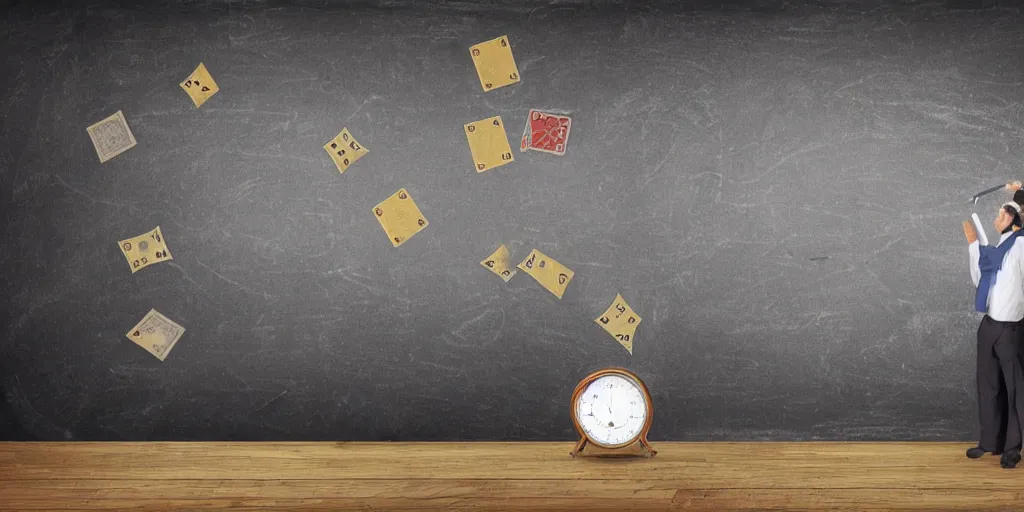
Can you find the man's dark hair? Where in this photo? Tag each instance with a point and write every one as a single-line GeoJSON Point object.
{"type": "Point", "coordinates": [1013, 213]}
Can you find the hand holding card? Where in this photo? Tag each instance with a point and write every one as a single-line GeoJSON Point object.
{"type": "Point", "coordinates": [972, 236]}
{"type": "Point", "coordinates": [979, 230]}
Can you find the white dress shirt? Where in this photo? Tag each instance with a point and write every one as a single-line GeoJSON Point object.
{"type": "Point", "coordinates": [1006, 295]}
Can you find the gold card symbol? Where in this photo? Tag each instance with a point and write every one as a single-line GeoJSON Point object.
{"type": "Point", "coordinates": [345, 150]}
{"type": "Point", "coordinates": [620, 321]}
{"type": "Point", "coordinates": [552, 275]}
{"type": "Point", "coordinates": [199, 85]}
{"type": "Point", "coordinates": [498, 263]}
{"type": "Point", "coordinates": [146, 249]}
{"type": "Point", "coordinates": [400, 217]}
{"type": "Point", "coordinates": [488, 144]}
{"type": "Point", "coordinates": [495, 65]}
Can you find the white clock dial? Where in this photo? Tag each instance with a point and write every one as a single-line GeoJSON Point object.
{"type": "Point", "coordinates": [612, 410]}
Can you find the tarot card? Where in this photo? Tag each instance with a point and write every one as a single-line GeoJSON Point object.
{"type": "Point", "coordinates": [199, 85]}
{"type": "Point", "coordinates": [547, 132]}
{"type": "Point", "coordinates": [488, 143]}
{"type": "Point", "coordinates": [498, 263]}
{"type": "Point", "coordinates": [494, 63]}
{"type": "Point", "coordinates": [620, 321]}
{"type": "Point", "coordinates": [345, 150]}
{"type": "Point", "coordinates": [156, 333]}
{"type": "Point", "coordinates": [146, 249]}
{"type": "Point", "coordinates": [111, 136]}
{"type": "Point", "coordinates": [552, 275]}
{"type": "Point", "coordinates": [400, 217]}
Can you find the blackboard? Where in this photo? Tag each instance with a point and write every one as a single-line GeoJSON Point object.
{"type": "Point", "coordinates": [776, 189]}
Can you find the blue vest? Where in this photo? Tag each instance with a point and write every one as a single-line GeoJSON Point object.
{"type": "Point", "coordinates": [990, 259]}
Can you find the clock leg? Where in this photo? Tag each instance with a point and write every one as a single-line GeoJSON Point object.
{"type": "Point", "coordinates": [579, 446]}
{"type": "Point", "coordinates": [645, 444]}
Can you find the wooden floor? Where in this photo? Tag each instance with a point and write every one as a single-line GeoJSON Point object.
{"type": "Point", "coordinates": [501, 476]}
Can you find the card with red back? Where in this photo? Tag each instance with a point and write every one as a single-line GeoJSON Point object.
{"type": "Point", "coordinates": [546, 131]}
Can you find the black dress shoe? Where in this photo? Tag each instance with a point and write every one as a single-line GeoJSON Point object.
{"type": "Point", "coordinates": [975, 453]}
{"type": "Point", "coordinates": [1010, 458]}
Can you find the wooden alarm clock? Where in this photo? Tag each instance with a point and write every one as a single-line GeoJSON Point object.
{"type": "Point", "coordinates": [612, 409]}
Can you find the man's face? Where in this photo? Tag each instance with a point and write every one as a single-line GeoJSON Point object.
{"type": "Point", "coordinates": [1003, 220]}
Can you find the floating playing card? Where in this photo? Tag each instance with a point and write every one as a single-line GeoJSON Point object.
{"type": "Point", "coordinates": [145, 250]}
{"type": "Point", "coordinates": [488, 143]}
{"type": "Point", "coordinates": [620, 321]}
{"type": "Point", "coordinates": [200, 85]}
{"type": "Point", "coordinates": [345, 150]}
{"type": "Point", "coordinates": [111, 136]}
{"type": "Point", "coordinates": [156, 333]}
{"type": "Point", "coordinates": [494, 63]}
{"type": "Point", "coordinates": [547, 132]}
{"type": "Point", "coordinates": [552, 275]}
{"type": "Point", "coordinates": [400, 217]}
{"type": "Point", "coordinates": [497, 262]}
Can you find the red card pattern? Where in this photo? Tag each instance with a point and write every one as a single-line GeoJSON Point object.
{"type": "Point", "coordinates": [547, 132]}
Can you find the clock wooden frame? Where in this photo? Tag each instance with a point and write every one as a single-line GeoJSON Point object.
{"type": "Point", "coordinates": [641, 437]}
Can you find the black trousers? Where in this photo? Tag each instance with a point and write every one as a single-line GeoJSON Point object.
{"type": "Point", "coordinates": [1000, 384]}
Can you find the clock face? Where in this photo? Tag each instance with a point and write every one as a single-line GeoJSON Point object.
{"type": "Point", "coordinates": [612, 410]}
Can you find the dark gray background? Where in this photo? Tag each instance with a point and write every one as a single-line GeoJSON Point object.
{"type": "Point", "coordinates": [776, 188]}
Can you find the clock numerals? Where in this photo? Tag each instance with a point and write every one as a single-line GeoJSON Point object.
{"type": "Point", "coordinates": [612, 410]}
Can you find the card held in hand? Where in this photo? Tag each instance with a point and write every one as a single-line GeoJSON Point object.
{"type": "Point", "coordinates": [494, 63]}
{"type": "Point", "coordinates": [345, 150]}
{"type": "Point", "coordinates": [552, 275]}
{"type": "Point", "coordinates": [498, 263]}
{"type": "Point", "coordinates": [156, 333]}
{"type": "Point", "coordinates": [400, 217]}
{"type": "Point", "coordinates": [199, 85]}
{"type": "Point", "coordinates": [488, 144]}
{"type": "Point", "coordinates": [620, 321]}
{"type": "Point", "coordinates": [979, 229]}
{"type": "Point", "coordinates": [146, 249]}
{"type": "Point", "coordinates": [547, 132]}
{"type": "Point", "coordinates": [111, 136]}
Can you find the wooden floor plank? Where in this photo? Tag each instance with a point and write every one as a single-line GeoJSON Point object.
{"type": "Point", "coordinates": [710, 500]}
{"type": "Point", "coordinates": [413, 489]}
{"type": "Point", "coordinates": [847, 499]}
{"type": "Point", "coordinates": [381, 504]}
{"type": "Point", "coordinates": [500, 476]}
{"type": "Point", "coordinates": [699, 466]}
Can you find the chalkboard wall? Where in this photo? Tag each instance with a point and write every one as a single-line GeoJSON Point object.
{"type": "Point", "coordinates": [776, 190]}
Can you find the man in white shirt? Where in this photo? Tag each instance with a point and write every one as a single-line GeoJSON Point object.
{"type": "Point", "coordinates": [998, 274]}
